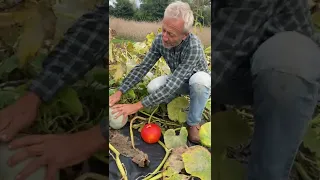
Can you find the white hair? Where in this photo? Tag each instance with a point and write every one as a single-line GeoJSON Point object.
{"type": "Point", "coordinates": [182, 10]}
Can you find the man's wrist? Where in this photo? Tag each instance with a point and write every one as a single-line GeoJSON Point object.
{"type": "Point", "coordinates": [35, 98]}
{"type": "Point", "coordinates": [94, 139]}
{"type": "Point", "coordinates": [139, 105]}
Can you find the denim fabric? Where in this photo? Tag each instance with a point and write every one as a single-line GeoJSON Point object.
{"type": "Point", "coordinates": [281, 82]}
{"type": "Point", "coordinates": [198, 88]}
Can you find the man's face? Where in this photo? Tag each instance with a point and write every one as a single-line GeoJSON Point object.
{"type": "Point", "coordinates": [172, 32]}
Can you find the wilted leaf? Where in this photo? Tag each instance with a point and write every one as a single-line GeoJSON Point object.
{"type": "Point", "coordinates": [31, 38]}
{"type": "Point", "coordinates": [118, 71]}
{"type": "Point", "coordinates": [174, 165]}
{"type": "Point", "coordinates": [171, 140]}
{"type": "Point", "coordinates": [205, 134]}
{"type": "Point", "coordinates": [229, 129]}
{"type": "Point", "coordinates": [232, 170]}
{"type": "Point", "coordinates": [70, 101]}
{"type": "Point", "coordinates": [176, 109]}
{"type": "Point", "coordinates": [197, 162]}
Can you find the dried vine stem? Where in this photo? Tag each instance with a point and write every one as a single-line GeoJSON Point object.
{"type": "Point", "coordinates": [118, 162]}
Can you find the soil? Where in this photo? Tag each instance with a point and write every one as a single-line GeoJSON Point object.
{"type": "Point", "coordinates": [123, 145]}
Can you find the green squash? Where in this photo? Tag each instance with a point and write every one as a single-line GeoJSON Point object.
{"type": "Point", "coordinates": [9, 173]}
{"type": "Point", "coordinates": [116, 123]}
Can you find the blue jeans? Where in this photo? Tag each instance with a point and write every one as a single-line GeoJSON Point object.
{"type": "Point", "coordinates": [281, 82]}
{"type": "Point", "coordinates": [198, 88]}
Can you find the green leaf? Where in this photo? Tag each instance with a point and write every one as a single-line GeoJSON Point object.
{"type": "Point", "coordinates": [229, 129]}
{"type": "Point", "coordinates": [176, 109]}
{"type": "Point", "coordinates": [131, 94]}
{"type": "Point", "coordinates": [100, 75]}
{"type": "Point", "coordinates": [171, 140]}
{"type": "Point", "coordinates": [311, 141]}
{"type": "Point", "coordinates": [70, 101]}
{"type": "Point", "coordinates": [9, 65]}
{"type": "Point", "coordinates": [205, 134]}
{"type": "Point", "coordinates": [7, 98]}
{"type": "Point", "coordinates": [316, 18]}
{"type": "Point", "coordinates": [232, 170]}
{"type": "Point", "coordinates": [197, 162]}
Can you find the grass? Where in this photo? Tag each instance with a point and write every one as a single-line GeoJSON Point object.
{"type": "Point", "coordinates": [137, 31]}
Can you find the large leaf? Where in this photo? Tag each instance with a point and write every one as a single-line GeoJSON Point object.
{"type": "Point", "coordinates": [176, 109]}
{"type": "Point", "coordinates": [8, 65]}
{"type": "Point", "coordinates": [172, 140]}
{"type": "Point", "coordinates": [197, 162]}
{"type": "Point", "coordinates": [70, 101]}
{"type": "Point", "coordinates": [172, 169]}
{"type": "Point", "coordinates": [229, 129]}
{"type": "Point", "coordinates": [232, 170]}
{"type": "Point", "coordinates": [311, 141]}
{"type": "Point", "coordinates": [117, 71]}
{"type": "Point", "coordinates": [31, 39]}
{"type": "Point", "coordinates": [7, 98]}
{"type": "Point", "coordinates": [205, 134]}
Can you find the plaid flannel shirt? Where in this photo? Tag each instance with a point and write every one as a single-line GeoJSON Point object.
{"type": "Point", "coordinates": [240, 26]}
{"type": "Point", "coordinates": [183, 61]}
{"type": "Point", "coordinates": [84, 45]}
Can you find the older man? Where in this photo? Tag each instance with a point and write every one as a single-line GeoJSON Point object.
{"type": "Point", "coordinates": [184, 54]}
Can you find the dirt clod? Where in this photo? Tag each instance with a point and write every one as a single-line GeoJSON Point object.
{"type": "Point", "coordinates": [123, 145]}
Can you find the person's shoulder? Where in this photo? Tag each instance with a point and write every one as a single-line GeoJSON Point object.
{"type": "Point", "coordinates": [194, 41]}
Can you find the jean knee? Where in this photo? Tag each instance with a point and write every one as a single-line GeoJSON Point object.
{"type": "Point", "coordinates": [288, 52]}
{"type": "Point", "coordinates": [156, 83]}
{"type": "Point", "coordinates": [200, 82]}
{"type": "Point", "coordinates": [201, 78]}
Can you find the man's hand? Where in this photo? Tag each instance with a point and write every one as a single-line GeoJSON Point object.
{"type": "Point", "coordinates": [17, 116]}
{"type": "Point", "coordinates": [114, 98]}
{"type": "Point", "coordinates": [55, 151]}
{"type": "Point", "coordinates": [126, 109]}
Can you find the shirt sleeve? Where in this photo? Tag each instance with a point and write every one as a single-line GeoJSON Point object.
{"type": "Point", "coordinates": [237, 28]}
{"type": "Point", "coordinates": [83, 46]}
{"type": "Point", "coordinates": [182, 74]}
{"type": "Point", "coordinates": [140, 70]}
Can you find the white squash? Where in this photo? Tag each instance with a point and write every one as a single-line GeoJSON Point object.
{"type": "Point", "coordinates": [9, 173]}
{"type": "Point", "coordinates": [116, 123]}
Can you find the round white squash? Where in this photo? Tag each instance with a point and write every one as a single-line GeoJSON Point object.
{"type": "Point", "coordinates": [9, 173]}
{"type": "Point", "coordinates": [116, 123]}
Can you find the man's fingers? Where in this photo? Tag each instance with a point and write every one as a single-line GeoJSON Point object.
{"type": "Point", "coordinates": [26, 140]}
{"type": "Point", "coordinates": [51, 172]}
{"type": "Point", "coordinates": [9, 132]}
{"type": "Point", "coordinates": [31, 167]}
{"type": "Point", "coordinates": [30, 151]}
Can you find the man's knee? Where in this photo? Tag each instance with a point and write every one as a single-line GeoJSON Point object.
{"type": "Point", "coordinates": [156, 83]}
{"type": "Point", "coordinates": [288, 52]}
{"type": "Point", "coordinates": [200, 81]}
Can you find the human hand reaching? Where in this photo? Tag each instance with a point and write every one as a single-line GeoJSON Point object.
{"type": "Point", "coordinates": [18, 116]}
{"type": "Point", "coordinates": [114, 98]}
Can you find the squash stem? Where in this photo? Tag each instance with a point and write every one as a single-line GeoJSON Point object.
{"type": "Point", "coordinates": [118, 162]}
{"type": "Point", "coordinates": [162, 162]}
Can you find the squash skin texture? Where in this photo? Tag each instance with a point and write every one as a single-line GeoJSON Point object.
{"type": "Point", "coordinates": [117, 123]}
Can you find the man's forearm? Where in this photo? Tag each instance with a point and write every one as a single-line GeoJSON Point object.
{"type": "Point", "coordinates": [84, 45]}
